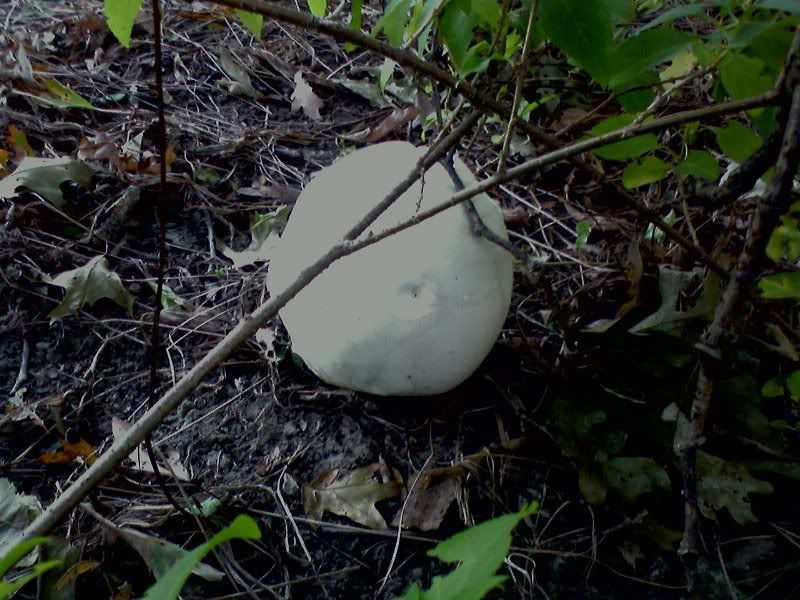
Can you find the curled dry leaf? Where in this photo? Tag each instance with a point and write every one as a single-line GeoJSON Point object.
{"type": "Point", "coordinates": [103, 148]}
{"type": "Point", "coordinates": [430, 494]}
{"type": "Point", "coordinates": [18, 142]}
{"type": "Point", "coordinates": [353, 494]}
{"type": "Point", "coordinates": [69, 452]}
{"type": "Point", "coordinates": [140, 458]}
{"type": "Point", "coordinates": [238, 83]}
{"type": "Point", "coordinates": [398, 118]}
{"type": "Point", "coordinates": [304, 97]}
{"type": "Point", "coordinates": [19, 410]}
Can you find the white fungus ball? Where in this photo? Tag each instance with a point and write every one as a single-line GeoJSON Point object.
{"type": "Point", "coordinates": [414, 314]}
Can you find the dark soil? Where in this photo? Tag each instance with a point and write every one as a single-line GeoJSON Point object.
{"type": "Point", "coordinates": [262, 425]}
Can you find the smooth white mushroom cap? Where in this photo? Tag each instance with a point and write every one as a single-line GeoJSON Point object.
{"type": "Point", "coordinates": [416, 313]}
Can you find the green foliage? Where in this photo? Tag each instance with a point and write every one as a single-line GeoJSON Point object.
{"type": "Point", "coordinates": [633, 147]}
{"type": "Point", "coordinates": [480, 550]}
{"type": "Point", "coordinates": [738, 141]}
{"type": "Point", "coordinates": [789, 6]}
{"type": "Point", "coordinates": [456, 25]}
{"type": "Point", "coordinates": [63, 97]}
{"type": "Point", "coordinates": [16, 555]}
{"type": "Point", "coordinates": [253, 21]}
{"type": "Point", "coordinates": [743, 76]}
{"type": "Point", "coordinates": [628, 476]}
{"type": "Point", "coordinates": [10, 587]}
{"type": "Point", "coordinates": [121, 16]}
{"type": "Point", "coordinates": [700, 164]}
{"type": "Point", "coordinates": [649, 169]}
{"type": "Point", "coordinates": [169, 585]}
{"type": "Point", "coordinates": [582, 30]}
{"type": "Point", "coordinates": [319, 8]}
{"type": "Point", "coordinates": [784, 243]}
{"type": "Point", "coordinates": [780, 286]}
{"type": "Point", "coordinates": [582, 231]}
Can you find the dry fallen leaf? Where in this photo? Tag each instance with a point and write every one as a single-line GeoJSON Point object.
{"type": "Point", "coordinates": [69, 452]}
{"type": "Point", "coordinates": [430, 494]}
{"type": "Point", "coordinates": [18, 142]}
{"type": "Point", "coordinates": [353, 494]}
{"type": "Point", "coordinates": [102, 148]}
{"type": "Point", "coordinates": [140, 458]}
{"type": "Point", "coordinates": [398, 118]}
{"type": "Point", "coordinates": [304, 97]}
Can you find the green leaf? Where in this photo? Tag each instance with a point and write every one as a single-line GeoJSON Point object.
{"type": "Point", "coordinates": [9, 588]}
{"type": "Point", "coordinates": [646, 50]}
{"type": "Point", "coordinates": [17, 552]}
{"type": "Point", "coordinates": [169, 585]}
{"type": "Point", "coordinates": [648, 170]}
{"type": "Point", "coordinates": [737, 141]}
{"type": "Point", "coordinates": [456, 27]}
{"type": "Point", "coordinates": [700, 164]}
{"type": "Point", "coordinates": [793, 383]}
{"type": "Point", "coordinates": [780, 286]}
{"type": "Point", "coordinates": [318, 7]}
{"type": "Point", "coordinates": [488, 12]}
{"type": "Point", "coordinates": [582, 231]}
{"type": "Point", "coordinates": [387, 70]}
{"type": "Point", "coordinates": [742, 76]}
{"type": "Point", "coordinates": [633, 476]}
{"type": "Point", "coordinates": [121, 15]}
{"type": "Point", "coordinates": [355, 23]}
{"type": "Point", "coordinates": [790, 6]}
{"type": "Point", "coordinates": [86, 285]}
{"type": "Point", "coordinates": [772, 389]}
{"type": "Point", "coordinates": [480, 550]}
{"type": "Point", "coordinates": [393, 22]}
{"type": "Point", "coordinates": [64, 96]}
{"type": "Point", "coordinates": [627, 148]}
{"type": "Point", "coordinates": [620, 9]}
{"type": "Point", "coordinates": [252, 21]}
{"type": "Point", "coordinates": [583, 31]}
{"type": "Point", "coordinates": [784, 243]}
{"type": "Point", "coordinates": [638, 100]}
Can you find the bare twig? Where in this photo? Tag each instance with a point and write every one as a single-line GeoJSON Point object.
{"type": "Point", "coordinates": [155, 332]}
{"type": "Point", "coordinates": [522, 70]}
{"type": "Point", "coordinates": [750, 263]}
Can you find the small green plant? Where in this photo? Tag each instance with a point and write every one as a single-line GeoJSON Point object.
{"type": "Point", "coordinates": [169, 585]}
{"type": "Point", "coordinates": [479, 550]}
{"type": "Point", "coordinates": [9, 587]}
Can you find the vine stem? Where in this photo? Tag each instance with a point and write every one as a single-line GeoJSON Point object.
{"type": "Point", "coordinates": [522, 69]}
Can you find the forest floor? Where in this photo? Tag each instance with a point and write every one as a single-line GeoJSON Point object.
{"type": "Point", "coordinates": [566, 388]}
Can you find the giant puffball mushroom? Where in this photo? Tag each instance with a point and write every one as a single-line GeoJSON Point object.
{"type": "Point", "coordinates": [416, 313]}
